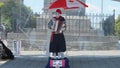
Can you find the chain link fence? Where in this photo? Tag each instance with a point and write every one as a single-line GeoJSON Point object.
{"type": "Point", "coordinates": [89, 32]}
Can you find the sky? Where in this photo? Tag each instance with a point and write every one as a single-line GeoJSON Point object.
{"type": "Point", "coordinates": [94, 6]}
{"type": "Point", "coordinates": [35, 5]}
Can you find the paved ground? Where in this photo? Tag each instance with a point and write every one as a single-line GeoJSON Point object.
{"type": "Point", "coordinates": [75, 62]}
{"type": "Point", "coordinates": [78, 53]}
{"type": "Point", "coordinates": [3, 61]}
{"type": "Point", "coordinates": [108, 60]}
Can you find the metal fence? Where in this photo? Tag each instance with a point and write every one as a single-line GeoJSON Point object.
{"type": "Point", "coordinates": [89, 32]}
{"type": "Point", "coordinates": [87, 23]}
{"type": "Point", "coordinates": [91, 29]}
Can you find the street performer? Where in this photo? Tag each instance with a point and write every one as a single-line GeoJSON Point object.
{"type": "Point", "coordinates": [57, 43]}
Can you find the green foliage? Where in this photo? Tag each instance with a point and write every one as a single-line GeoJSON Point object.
{"type": "Point", "coordinates": [32, 22]}
{"type": "Point", "coordinates": [118, 19]}
{"type": "Point", "coordinates": [1, 4]}
{"type": "Point", "coordinates": [108, 26]}
{"type": "Point", "coordinates": [15, 13]}
{"type": "Point", "coordinates": [117, 27]}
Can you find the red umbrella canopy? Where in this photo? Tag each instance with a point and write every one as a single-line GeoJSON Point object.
{"type": "Point", "coordinates": [67, 4]}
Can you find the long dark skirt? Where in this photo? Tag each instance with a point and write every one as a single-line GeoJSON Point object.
{"type": "Point", "coordinates": [57, 43]}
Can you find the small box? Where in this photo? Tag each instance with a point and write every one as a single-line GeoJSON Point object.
{"type": "Point", "coordinates": [54, 63]}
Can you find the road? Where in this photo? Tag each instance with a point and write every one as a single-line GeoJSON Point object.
{"type": "Point", "coordinates": [75, 62]}
{"type": "Point", "coordinates": [78, 59]}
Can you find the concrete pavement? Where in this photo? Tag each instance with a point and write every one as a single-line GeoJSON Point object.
{"type": "Point", "coordinates": [75, 62]}
{"type": "Point", "coordinates": [78, 59]}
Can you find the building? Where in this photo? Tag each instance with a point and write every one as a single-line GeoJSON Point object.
{"type": "Point", "coordinates": [68, 12]}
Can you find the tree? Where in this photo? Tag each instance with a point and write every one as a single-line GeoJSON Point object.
{"type": "Point", "coordinates": [108, 26]}
{"type": "Point", "coordinates": [13, 18]}
{"type": "Point", "coordinates": [1, 6]}
{"type": "Point", "coordinates": [117, 27]}
{"type": "Point", "coordinates": [8, 14]}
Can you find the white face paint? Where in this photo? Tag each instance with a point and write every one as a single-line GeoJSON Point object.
{"type": "Point", "coordinates": [55, 14]}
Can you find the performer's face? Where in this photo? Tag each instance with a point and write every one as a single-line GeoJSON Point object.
{"type": "Point", "coordinates": [55, 14]}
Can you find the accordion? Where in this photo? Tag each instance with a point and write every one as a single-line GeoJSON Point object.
{"type": "Point", "coordinates": [57, 26]}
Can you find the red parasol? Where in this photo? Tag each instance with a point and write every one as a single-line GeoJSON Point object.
{"type": "Point", "coordinates": [67, 4]}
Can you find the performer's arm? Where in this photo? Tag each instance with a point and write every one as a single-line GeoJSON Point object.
{"type": "Point", "coordinates": [64, 26]}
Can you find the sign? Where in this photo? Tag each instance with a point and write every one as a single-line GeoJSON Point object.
{"type": "Point", "coordinates": [17, 47]}
{"type": "Point", "coordinates": [57, 63]}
